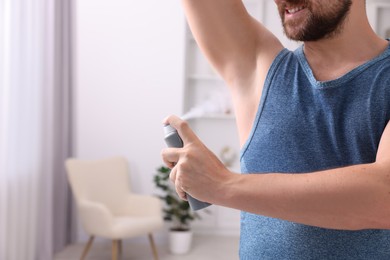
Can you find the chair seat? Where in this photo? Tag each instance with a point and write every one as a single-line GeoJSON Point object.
{"type": "Point", "coordinates": [124, 227]}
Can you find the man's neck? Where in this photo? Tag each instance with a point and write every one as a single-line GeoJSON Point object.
{"type": "Point", "coordinates": [330, 59]}
{"type": "Point", "coordinates": [355, 44]}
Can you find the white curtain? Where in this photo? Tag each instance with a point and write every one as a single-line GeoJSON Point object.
{"type": "Point", "coordinates": [34, 127]}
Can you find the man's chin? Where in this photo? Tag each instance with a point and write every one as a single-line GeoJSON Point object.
{"type": "Point", "coordinates": [293, 36]}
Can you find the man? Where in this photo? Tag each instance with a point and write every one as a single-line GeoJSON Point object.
{"type": "Point", "coordinates": [312, 125]}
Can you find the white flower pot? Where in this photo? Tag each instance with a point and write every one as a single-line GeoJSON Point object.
{"type": "Point", "coordinates": [180, 242]}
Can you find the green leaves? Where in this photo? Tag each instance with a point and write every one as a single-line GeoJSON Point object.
{"type": "Point", "coordinates": [176, 210]}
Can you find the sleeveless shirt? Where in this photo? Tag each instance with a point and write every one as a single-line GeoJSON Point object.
{"type": "Point", "coordinates": [304, 125]}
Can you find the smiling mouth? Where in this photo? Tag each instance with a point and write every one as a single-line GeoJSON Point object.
{"type": "Point", "coordinates": [294, 10]}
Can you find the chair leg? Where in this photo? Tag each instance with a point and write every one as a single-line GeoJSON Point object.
{"type": "Point", "coordinates": [154, 249]}
{"type": "Point", "coordinates": [115, 244]}
{"type": "Point", "coordinates": [120, 247]}
{"type": "Point", "coordinates": [87, 247]}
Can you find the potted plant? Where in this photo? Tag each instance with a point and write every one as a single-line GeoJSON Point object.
{"type": "Point", "coordinates": [176, 211]}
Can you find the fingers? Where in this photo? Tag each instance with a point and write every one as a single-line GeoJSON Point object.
{"type": "Point", "coordinates": [181, 193]}
{"type": "Point", "coordinates": [172, 175]}
{"type": "Point", "coordinates": [170, 156]}
{"type": "Point", "coordinates": [179, 189]}
{"type": "Point", "coordinates": [182, 127]}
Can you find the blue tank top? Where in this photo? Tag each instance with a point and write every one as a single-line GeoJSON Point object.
{"type": "Point", "coordinates": [304, 125]}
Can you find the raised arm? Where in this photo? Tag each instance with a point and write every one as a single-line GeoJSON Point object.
{"type": "Point", "coordinates": [239, 48]}
{"type": "Point", "coordinates": [229, 37]}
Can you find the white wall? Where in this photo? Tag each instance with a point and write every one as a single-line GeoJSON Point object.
{"type": "Point", "coordinates": [129, 62]}
{"type": "Point", "coordinates": [128, 77]}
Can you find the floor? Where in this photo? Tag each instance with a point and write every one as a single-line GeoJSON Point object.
{"type": "Point", "coordinates": [204, 248]}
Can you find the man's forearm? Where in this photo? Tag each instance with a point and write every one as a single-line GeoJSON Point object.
{"type": "Point", "coordinates": [354, 197]}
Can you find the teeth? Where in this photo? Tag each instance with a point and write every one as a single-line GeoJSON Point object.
{"type": "Point", "coordinates": [294, 10]}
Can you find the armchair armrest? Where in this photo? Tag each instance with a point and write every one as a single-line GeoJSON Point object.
{"type": "Point", "coordinates": [95, 217]}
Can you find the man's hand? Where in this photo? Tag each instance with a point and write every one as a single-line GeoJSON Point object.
{"type": "Point", "coordinates": [195, 169]}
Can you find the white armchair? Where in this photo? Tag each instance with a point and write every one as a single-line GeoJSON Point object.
{"type": "Point", "coordinates": [107, 208]}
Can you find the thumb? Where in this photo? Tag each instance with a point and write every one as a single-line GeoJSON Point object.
{"type": "Point", "coordinates": [182, 127]}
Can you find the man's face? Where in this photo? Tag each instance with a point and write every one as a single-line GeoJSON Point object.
{"type": "Point", "coordinates": [311, 20]}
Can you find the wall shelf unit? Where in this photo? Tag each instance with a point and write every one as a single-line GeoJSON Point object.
{"type": "Point", "coordinates": [379, 16]}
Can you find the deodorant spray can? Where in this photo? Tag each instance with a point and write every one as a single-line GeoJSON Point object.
{"type": "Point", "coordinates": [172, 139]}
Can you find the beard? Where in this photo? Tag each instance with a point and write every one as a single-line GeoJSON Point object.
{"type": "Point", "coordinates": [322, 21]}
